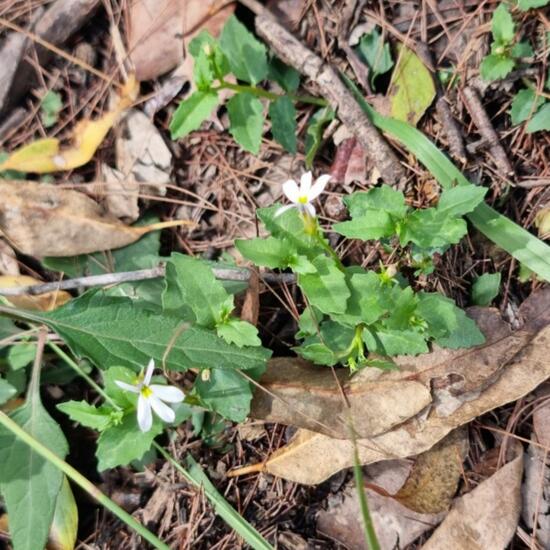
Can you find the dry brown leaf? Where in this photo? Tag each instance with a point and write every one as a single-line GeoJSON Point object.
{"type": "Point", "coordinates": [486, 518]}
{"type": "Point", "coordinates": [44, 220]}
{"type": "Point", "coordinates": [42, 302]}
{"type": "Point", "coordinates": [8, 261]}
{"type": "Point", "coordinates": [251, 305]}
{"type": "Point", "coordinates": [120, 194]}
{"type": "Point", "coordinates": [507, 368]}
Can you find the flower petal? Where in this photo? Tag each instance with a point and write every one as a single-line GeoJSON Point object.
{"type": "Point", "coordinates": [144, 414]}
{"type": "Point", "coordinates": [283, 209]}
{"type": "Point", "coordinates": [290, 189]}
{"type": "Point", "coordinates": [149, 372]}
{"type": "Point", "coordinates": [310, 209]}
{"type": "Point", "coordinates": [127, 387]}
{"type": "Point", "coordinates": [170, 394]}
{"type": "Point", "coordinates": [163, 411]}
{"type": "Point", "coordinates": [318, 186]}
{"type": "Point", "coordinates": [305, 184]}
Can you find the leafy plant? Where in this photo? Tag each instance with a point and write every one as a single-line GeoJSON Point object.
{"type": "Point", "coordinates": [375, 53]}
{"type": "Point", "coordinates": [50, 107]}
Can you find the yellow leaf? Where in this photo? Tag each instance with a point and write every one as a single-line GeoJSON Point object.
{"type": "Point", "coordinates": [65, 520]}
{"type": "Point", "coordinates": [42, 302]}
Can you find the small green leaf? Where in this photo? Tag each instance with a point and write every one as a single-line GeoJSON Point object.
{"type": "Point", "coordinates": [49, 108]}
{"type": "Point", "coordinates": [485, 289]}
{"type": "Point", "coordinates": [374, 224]}
{"type": "Point", "coordinates": [429, 228]}
{"type": "Point", "coordinates": [502, 25]}
{"type": "Point", "coordinates": [309, 322]}
{"type": "Point", "coordinates": [522, 49]}
{"type": "Point", "coordinates": [466, 335]}
{"type": "Point", "coordinates": [375, 53]}
{"type": "Point", "coordinates": [525, 103]}
{"type": "Point", "coordinates": [240, 333]}
{"type": "Point", "coordinates": [121, 444]}
{"type": "Point", "coordinates": [495, 67]}
{"type": "Point", "coordinates": [7, 391]}
{"type": "Point", "coordinates": [270, 252]}
{"type": "Point", "coordinates": [317, 353]}
{"type": "Point", "coordinates": [525, 5]}
{"type": "Point", "coordinates": [326, 289]}
{"type": "Point", "coordinates": [540, 121]}
{"type": "Point", "coordinates": [402, 342]}
{"type": "Point", "coordinates": [379, 198]}
{"type": "Point", "coordinates": [203, 73]}
{"type": "Point", "coordinates": [204, 38]}
{"type": "Point", "coordinates": [287, 77]}
{"type": "Point", "coordinates": [283, 123]}
{"type": "Point", "coordinates": [247, 56]}
{"type": "Point", "coordinates": [314, 133]}
{"type": "Point", "coordinates": [246, 121]}
{"type": "Point", "coordinates": [86, 414]}
{"type": "Point", "coordinates": [412, 89]}
{"type": "Point", "coordinates": [460, 200]}
{"type": "Point", "coordinates": [330, 346]}
{"type": "Point", "coordinates": [403, 306]}
{"type": "Point", "coordinates": [192, 112]}
{"type": "Point", "coordinates": [21, 355]}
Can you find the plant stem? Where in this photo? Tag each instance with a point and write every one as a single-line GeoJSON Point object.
{"type": "Point", "coordinates": [259, 92]}
{"type": "Point", "coordinates": [80, 480]}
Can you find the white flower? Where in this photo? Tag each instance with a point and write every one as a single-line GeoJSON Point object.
{"type": "Point", "coordinates": [302, 196]}
{"type": "Point", "coordinates": [152, 397]}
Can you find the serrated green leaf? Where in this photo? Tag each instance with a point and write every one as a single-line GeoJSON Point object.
{"type": "Point", "coordinates": [190, 283]}
{"type": "Point", "coordinates": [21, 355]}
{"type": "Point", "coordinates": [379, 198]}
{"type": "Point", "coordinates": [525, 103]}
{"type": "Point", "coordinates": [374, 224]}
{"type": "Point", "coordinates": [283, 123]}
{"type": "Point", "coordinates": [240, 333]}
{"type": "Point", "coordinates": [7, 391]}
{"type": "Point", "coordinates": [246, 121]}
{"type": "Point", "coordinates": [495, 67]}
{"type": "Point", "coordinates": [540, 121]}
{"type": "Point", "coordinates": [485, 289]}
{"type": "Point", "coordinates": [401, 342]}
{"type": "Point", "coordinates": [86, 414]}
{"type": "Point", "coordinates": [247, 56]}
{"type": "Point", "coordinates": [326, 289]}
{"type": "Point", "coordinates": [429, 228]}
{"type": "Point", "coordinates": [460, 200]}
{"type": "Point", "coordinates": [412, 89]}
{"type": "Point", "coordinates": [522, 49]}
{"type": "Point", "coordinates": [121, 444]}
{"type": "Point", "coordinates": [192, 112]}
{"type": "Point", "coordinates": [314, 133]}
{"type": "Point", "coordinates": [466, 335]}
{"type": "Point", "coordinates": [50, 107]}
{"type": "Point", "coordinates": [375, 53]}
{"type": "Point", "coordinates": [502, 25]}
{"type": "Point", "coordinates": [287, 77]}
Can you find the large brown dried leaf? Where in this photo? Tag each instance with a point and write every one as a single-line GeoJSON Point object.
{"type": "Point", "coordinates": [44, 220]}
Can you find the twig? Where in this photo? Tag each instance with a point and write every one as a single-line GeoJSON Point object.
{"type": "Point", "coordinates": [226, 274]}
{"type": "Point", "coordinates": [481, 120]}
{"type": "Point", "coordinates": [294, 53]}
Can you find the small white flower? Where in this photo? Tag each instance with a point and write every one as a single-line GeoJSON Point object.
{"type": "Point", "coordinates": [152, 397]}
{"type": "Point", "coordinates": [303, 195]}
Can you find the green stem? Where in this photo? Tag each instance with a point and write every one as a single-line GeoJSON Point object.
{"type": "Point", "coordinates": [259, 92]}
{"type": "Point", "coordinates": [80, 480]}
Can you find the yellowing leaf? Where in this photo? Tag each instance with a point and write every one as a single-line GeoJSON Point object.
{"type": "Point", "coordinates": [542, 222]}
{"type": "Point", "coordinates": [412, 89]}
{"type": "Point", "coordinates": [65, 520]}
{"type": "Point", "coordinates": [41, 302]}
{"type": "Point", "coordinates": [47, 155]}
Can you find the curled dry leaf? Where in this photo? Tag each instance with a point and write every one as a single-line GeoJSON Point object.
{"type": "Point", "coordinates": [47, 155]}
{"type": "Point", "coordinates": [487, 516]}
{"type": "Point", "coordinates": [41, 302]}
{"type": "Point", "coordinates": [463, 386]}
{"type": "Point", "coordinates": [44, 220]}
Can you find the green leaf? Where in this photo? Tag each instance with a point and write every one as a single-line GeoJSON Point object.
{"type": "Point", "coordinates": [375, 53]}
{"type": "Point", "coordinates": [522, 49]}
{"type": "Point", "coordinates": [402, 307]}
{"type": "Point", "coordinates": [287, 77]}
{"type": "Point", "coordinates": [540, 121]}
{"type": "Point", "coordinates": [205, 43]}
{"type": "Point", "coordinates": [270, 252]}
{"type": "Point", "coordinates": [314, 133]}
{"type": "Point", "coordinates": [283, 123]}
{"type": "Point", "coordinates": [317, 352]}
{"type": "Point", "coordinates": [115, 331]}
{"type": "Point", "coordinates": [466, 335]}
{"type": "Point", "coordinates": [525, 5]}
{"type": "Point", "coordinates": [502, 25]}
{"type": "Point", "coordinates": [309, 322]}
{"type": "Point", "coordinates": [430, 228]}
{"type": "Point", "coordinates": [21, 355]}
{"type": "Point", "coordinates": [64, 529]}
{"type": "Point", "coordinates": [192, 112]}
{"type": "Point", "coordinates": [331, 347]}
{"type": "Point", "coordinates": [374, 224]}
{"type": "Point", "coordinates": [7, 391]}
{"type": "Point", "coordinates": [191, 283]}
{"type": "Point", "coordinates": [246, 121]}
{"type": "Point", "coordinates": [121, 444]}
{"type": "Point", "coordinates": [485, 289]}
{"type": "Point", "coordinates": [29, 483]}
{"type": "Point", "coordinates": [326, 289]}
{"type": "Point", "coordinates": [379, 198]}
{"type": "Point", "coordinates": [525, 103]}
{"type": "Point", "coordinates": [495, 67]}
{"type": "Point", "coordinates": [50, 107]}
{"type": "Point", "coordinates": [203, 73]}
{"type": "Point", "coordinates": [460, 200]}
{"type": "Point", "coordinates": [86, 414]}
{"type": "Point", "coordinates": [240, 333]}
{"type": "Point", "coordinates": [412, 89]}
{"type": "Point", "coordinates": [402, 342]}
{"type": "Point", "coordinates": [7, 328]}
{"type": "Point", "coordinates": [227, 393]}
{"type": "Point", "coordinates": [247, 56]}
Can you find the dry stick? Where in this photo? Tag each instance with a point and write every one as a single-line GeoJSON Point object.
{"type": "Point", "coordinates": [294, 53]}
{"type": "Point", "coordinates": [481, 120]}
{"type": "Point", "coordinates": [226, 274]}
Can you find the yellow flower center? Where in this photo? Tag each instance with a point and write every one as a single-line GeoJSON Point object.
{"type": "Point", "coordinates": [146, 391]}
{"type": "Point", "coordinates": [302, 199]}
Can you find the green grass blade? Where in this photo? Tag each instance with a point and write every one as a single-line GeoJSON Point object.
{"type": "Point", "coordinates": [506, 234]}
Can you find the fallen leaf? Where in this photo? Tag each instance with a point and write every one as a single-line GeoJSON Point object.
{"type": "Point", "coordinates": [47, 155]}
{"type": "Point", "coordinates": [412, 89]}
{"type": "Point", "coordinates": [45, 220]}
{"type": "Point", "coordinates": [514, 363]}
{"type": "Point", "coordinates": [542, 222]}
{"type": "Point", "coordinates": [485, 517]}
{"type": "Point", "coordinates": [120, 194]}
{"type": "Point", "coordinates": [41, 302]}
{"type": "Point", "coordinates": [8, 261]}
{"type": "Point", "coordinates": [251, 304]}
